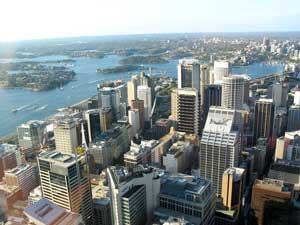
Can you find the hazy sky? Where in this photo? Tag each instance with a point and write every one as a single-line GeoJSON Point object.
{"type": "Point", "coordinates": [31, 19]}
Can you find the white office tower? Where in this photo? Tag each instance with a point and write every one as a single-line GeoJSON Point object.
{"type": "Point", "coordinates": [65, 135]}
{"type": "Point", "coordinates": [144, 93]}
{"type": "Point", "coordinates": [189, 73]}
{"type": "Point", "coordinates": [134, 194]}
{"type": "Point", "coordinates": [233, 92]}
{"type": "Point", "coordinates": [188, 110]}
{"type": "Point", "coordinates": [219, 145]}
{"type": "Point", "coordinates": [31, 134]}
{"type": "Point", "coordinates": [221, 69]}
{"type": "Point", "coordinates": [297, 98]}
{"type": "Point", "coordinates": [65, 181]}
{"type": "Point", "coordinates": [134, 120]}
{"type": "Point", "coordinates": [276, 94]}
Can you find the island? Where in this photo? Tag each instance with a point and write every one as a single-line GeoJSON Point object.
{"type": "Point", "coordinates": [150, 59]}
{"type": "Point", "coordinates": [35, 76]}
{"type": "Point", "coordinates": [120, 69]}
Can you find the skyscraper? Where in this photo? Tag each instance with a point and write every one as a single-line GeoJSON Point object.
{"type": "Point", "coordinates": [24, 176]}
{"type": "Point", "coordinates": [109, 98]}
{"type": "Point", "coordinates": [189, 74]}
{"type": "Point", "coordinates": [232, 188]}
{"type": "Point", "coordinates": [7, 161]}
{"type": "Point", "coordinates": [174, 105]}
{"type": "Point", "coordinates": [188, 110]}
{"type": "Point", "coordinates": [263, 119]}
{"type": "Point", "coordinates": [233, 92]}
{"type": "Point", "coordinates": [204, 81]}
{"type": "Point", "coordinates": [134, 120]}
{"type": "Point", "coordinates": [264, 191]}
{"type": "Point", "coordinates": [212, 96]}
{"type": "Point", "coordinates": [64, 181]}
{"type": "Point", "coordinates": [139, 105]}
{"type": "Point", "coordinates": [93, 121]}
{"type": "Point", "coordinates": [293, 118]}
{"type": "Point", "coordinates": [133, 194]}
{"type": "Point", "coordinates": [220, 144]}
{"type": "Point", "coordinates": [105, 119]}
{"type": "Point", "coordinates": [31, 134]}
{"type": "Point", "coordinates": [132, 89]}
{"type": "Point", "coordinates": [66, 135]}
{"type": "Point", "coordinates": [221, 69]}
{"type": "Point", "coordinates": [144, 93]}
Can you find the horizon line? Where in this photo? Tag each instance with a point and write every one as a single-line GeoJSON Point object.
{"type": "Point", "coordinates": [144, 34]}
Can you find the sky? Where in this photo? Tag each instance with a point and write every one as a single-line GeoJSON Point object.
{"type": "Point", "coordinates": [35, 19]}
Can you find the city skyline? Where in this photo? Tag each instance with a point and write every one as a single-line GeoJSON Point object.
{"type": "Point", "coordinates": [56, 19]}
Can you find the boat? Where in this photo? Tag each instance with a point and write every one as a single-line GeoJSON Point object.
{"type": "Point", "coordinates": [14, 110]}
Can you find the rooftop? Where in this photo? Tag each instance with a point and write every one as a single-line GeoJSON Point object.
{"type": "Point", "coordinates": [273, 184]}
{"type": "Point", "coordinates": [179, 186]}
{"type": "Point", "coordinates": [19, 169]}
{"type": "Point", "coordinates": [48, 213]}
{"type": "Point", "coordinates": [59, 158]}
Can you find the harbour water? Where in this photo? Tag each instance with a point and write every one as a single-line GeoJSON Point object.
{"type": "Point", "coordinates": [38, 105]}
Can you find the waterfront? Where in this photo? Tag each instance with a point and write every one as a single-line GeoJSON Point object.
{"type": "Point", "coordinates": [38, 105]}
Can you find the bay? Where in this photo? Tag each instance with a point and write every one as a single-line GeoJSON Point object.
{"type": "Point", "coordinates": [39, 105]}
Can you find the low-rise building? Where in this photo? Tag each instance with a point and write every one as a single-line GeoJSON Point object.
{"type": "Point", "coordinates": [139, 154]}
{"type": "Point", "coordinates": [179, 157]}
{"type": "Point", "coordinates": [45, 212]}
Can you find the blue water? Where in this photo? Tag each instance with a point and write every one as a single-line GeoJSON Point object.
{"type": "Point", "coordinates": [38, 105]}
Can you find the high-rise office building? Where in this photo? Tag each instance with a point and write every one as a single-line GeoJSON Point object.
{"type": "Point", "coordinates": [132, 89]}
{"type": "Point", "coordinates": [188, 110]}
{"type": "Point", "coordinates": [133, 194]}
{"type": "Point", "coordinates": [233, 92]}
{"type": "Point", "coordinates": [246, 87]}
{"type": "Point", "coordinates": [204, 81]}
{"type": "Point", "coordinates": [264, 191]}
{"type": "Point", "coordinates": [212, 96]}
{"type": "Point", "coordinates": [134, 120]}
{"type": "Point", "coordinates": [275, 93]}
{"type": "Point", "coordinates": [7, 161]}
{"type": "Point", "coordinates": [280, 122]}
{"type": "Point", "coordinates": [106, 118]}
{"type": "Point", "coordinates": [31, 134]}
{"type": "Point", "coordinates": [293, 122]}
{"type": "Point", "coordinates": [109, 98]}
{"type": "Point", "coordinates": [189, 74]}
{"type": "Point", "coordinates": [93, 122]}
{"type": "Point", "coordinates": [187, 197]}
{"type": "Point", "coordinates": [139, 105]}
{"type": "Point", "coordinates": [220, 144]}
{"type": "Point", "coordinates": [101, 154]}
{"type": "Point", "coordinates": [297, 98]}
{"type": "Point", "coordinates": [232, 188]}
{"type": "Point", "coordinates": [263, 119]}
{"type": "Point", "coordinates": [221, 69]}
{"type": "Point", "coordinates": [65, 135]}
{"type": "Point", "coordinates": [65, 181]}
{"type": "Point", "coordinates": [174, 105]}
{"type": "Point", "coordinates": [144, 93]}
{"type": "Point", "coordinates": [24, 176]}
